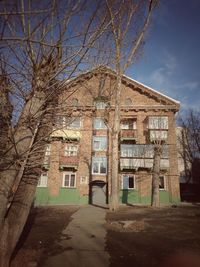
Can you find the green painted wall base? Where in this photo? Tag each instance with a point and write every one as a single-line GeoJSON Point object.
{"type": "Point", "coordinates": [72, 196]}
{"type": "Point", "coordinates": [133, 197]}
{"type": "Point", "coordinates": [65, 196]}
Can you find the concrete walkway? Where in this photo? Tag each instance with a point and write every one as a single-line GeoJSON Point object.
{"type": "Point", "coordinates": [84, 243]}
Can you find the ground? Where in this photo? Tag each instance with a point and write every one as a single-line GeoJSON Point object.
{"type": "Point", "coordinates": [136, 236]}
{"type": "Point", "coordinates": [42, 230]}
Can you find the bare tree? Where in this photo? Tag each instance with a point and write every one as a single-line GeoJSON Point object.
{"type": "Point", "coordinates": [41, 43]}
{"type": "Point", "coordinates": [189, 141]}
{"type": "Point", "coordinates": [129, 22]}
{"type": "Point", "coordinates": [158, 126]}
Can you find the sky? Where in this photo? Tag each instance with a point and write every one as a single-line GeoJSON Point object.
{"type": "Point", "coordinates": [170, 62]}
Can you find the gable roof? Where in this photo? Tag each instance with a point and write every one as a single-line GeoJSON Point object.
{"type": "Point", "coordinates": [129, 81]}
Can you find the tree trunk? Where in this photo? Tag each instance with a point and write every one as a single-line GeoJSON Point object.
{"type": "Point", "coordinates": [5, 254]}
{"type": "Point", "coordinates": [114, 199]}
{"type": "Point", "coordinates": [155, 201]}
{"type": "Point", "coordinates": [14, 216]}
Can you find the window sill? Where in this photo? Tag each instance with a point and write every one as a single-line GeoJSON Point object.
{"type": "Point", "coordinates": [128, 189]}
{"type": "Point", "coordinates": [65, 187]}
{"type": "Point", "coordinates": [100, 174]}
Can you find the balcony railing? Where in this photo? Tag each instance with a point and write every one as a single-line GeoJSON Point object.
{"type": "Point", "coordinates": [141, 151]}
{"type": "Point", "coordinates": [135, 163]}
{"type": "Point", "coordinates": [128, 134]}
{"type": "Point", "coordinates": [68, 162]}
{"type": "Point", "coordinates": [158, 135]}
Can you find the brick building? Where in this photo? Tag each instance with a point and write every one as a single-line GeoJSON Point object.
{"type": "Point", "coordinates": [77, 162]}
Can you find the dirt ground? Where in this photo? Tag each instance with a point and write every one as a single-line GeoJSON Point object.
{"type": "Point", "coordinates": [40, 236]}
{"type": "Point", "coordinates": [136, 236]}
{"type": "Point", "coordinates": [168, 237]}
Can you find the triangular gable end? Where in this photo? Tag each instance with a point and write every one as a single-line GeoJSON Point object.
{"type": "Point", "coordinates": [129, 82]}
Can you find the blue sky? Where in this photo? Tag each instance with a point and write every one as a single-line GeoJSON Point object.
{"type": "Point", "coordinates": [170, 62]}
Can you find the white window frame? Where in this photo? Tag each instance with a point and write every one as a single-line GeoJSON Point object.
{"type": "Point", "coordinates": [48, 150]}
{"type": "Point", "coordinates": [164, 177]}
{"type": "Point", "coordinates": [102, 124]}
{"type": "Point", "coordinates": [70, 125]}
{"type": "Point", "coordinates": [99, 165]}
{"type": "Point", "coordinates": [64, 122]}
{"type": "Point", "coordinates": [63, 180]}
{"type": "Point", "coordinates": [100, 104]}
{"type": "Point", "coordinates": [122, 181]}
{"type": "Point", "coordinates": [69, 151]}
{"type": "Point", "coordinates": [100, 148]}
{"type": "Point", "coordinates": [43, 180]}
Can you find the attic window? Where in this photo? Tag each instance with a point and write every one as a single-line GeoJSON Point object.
{"type": "Point", "coordinates": [101, 102]}
{"type": "Point", "coordinates": [100, 105]}
{"type": "Point", "coordinates": [128, 102]}
{"type": "Point", "coordinates": [74, 102]}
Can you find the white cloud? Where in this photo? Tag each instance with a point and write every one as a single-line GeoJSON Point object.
{"type": "Point", "coordinates": [164, 79]}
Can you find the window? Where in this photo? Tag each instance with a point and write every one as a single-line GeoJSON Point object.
{"type": "Point", "coordinates": [69, 122]}
{"type": "Point", "coordinates": [128, 102]}
{"type": "Point", "coordinates": [42, 182]}
{"type": "Point", "coordinates": [48, 150]}
{"type": "Point", "coordinates": [99, 123]}
{"type": "Point", "coordinates": [100, 104]}
{"type": "Point", "coordinates": [128, 125]}
{"type": "Point", "coordinates": [69, 179]}
{"type": "Point", "coordinates": [71, 150]}
{"type": "Point", "coordinates": [158, 122]}
{"type": "Point", "coordinates": [73, 122]}
{"type": "Point", "coordinates": [99, 165]}
{"type": "Point", "coordinates": [74, 102]}
{"type": "Point", "coordinates": [99, 143]}
{"type": "Point", "coordinates": [47, 154]}
{"type": "Point", "coordinates": [162, 183]}
{"type": "Point", "coordinates": [128, 181]}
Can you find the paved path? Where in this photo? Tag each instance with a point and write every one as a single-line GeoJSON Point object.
{"type": "Point", "coordinates": [85, 245]}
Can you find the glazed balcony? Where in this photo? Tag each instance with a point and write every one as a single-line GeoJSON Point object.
{"type": "Point", "coordinates": [141, 156]}
{"type": "Point", "coordinates": [144, 163]}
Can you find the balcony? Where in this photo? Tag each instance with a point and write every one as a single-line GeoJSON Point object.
{"type": "Point", "coordinates": [135, 163]}
{"type": "Point", "coordinates": [141, 156]}
{"type": "Point", "coordinates": [66, 162]}
{"type": "Point", "coordinates": [66, 134]}
{"type": "Point", "coordinates": [128, 134]}
{"type": "Point", "coordinates": [158, 135]}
